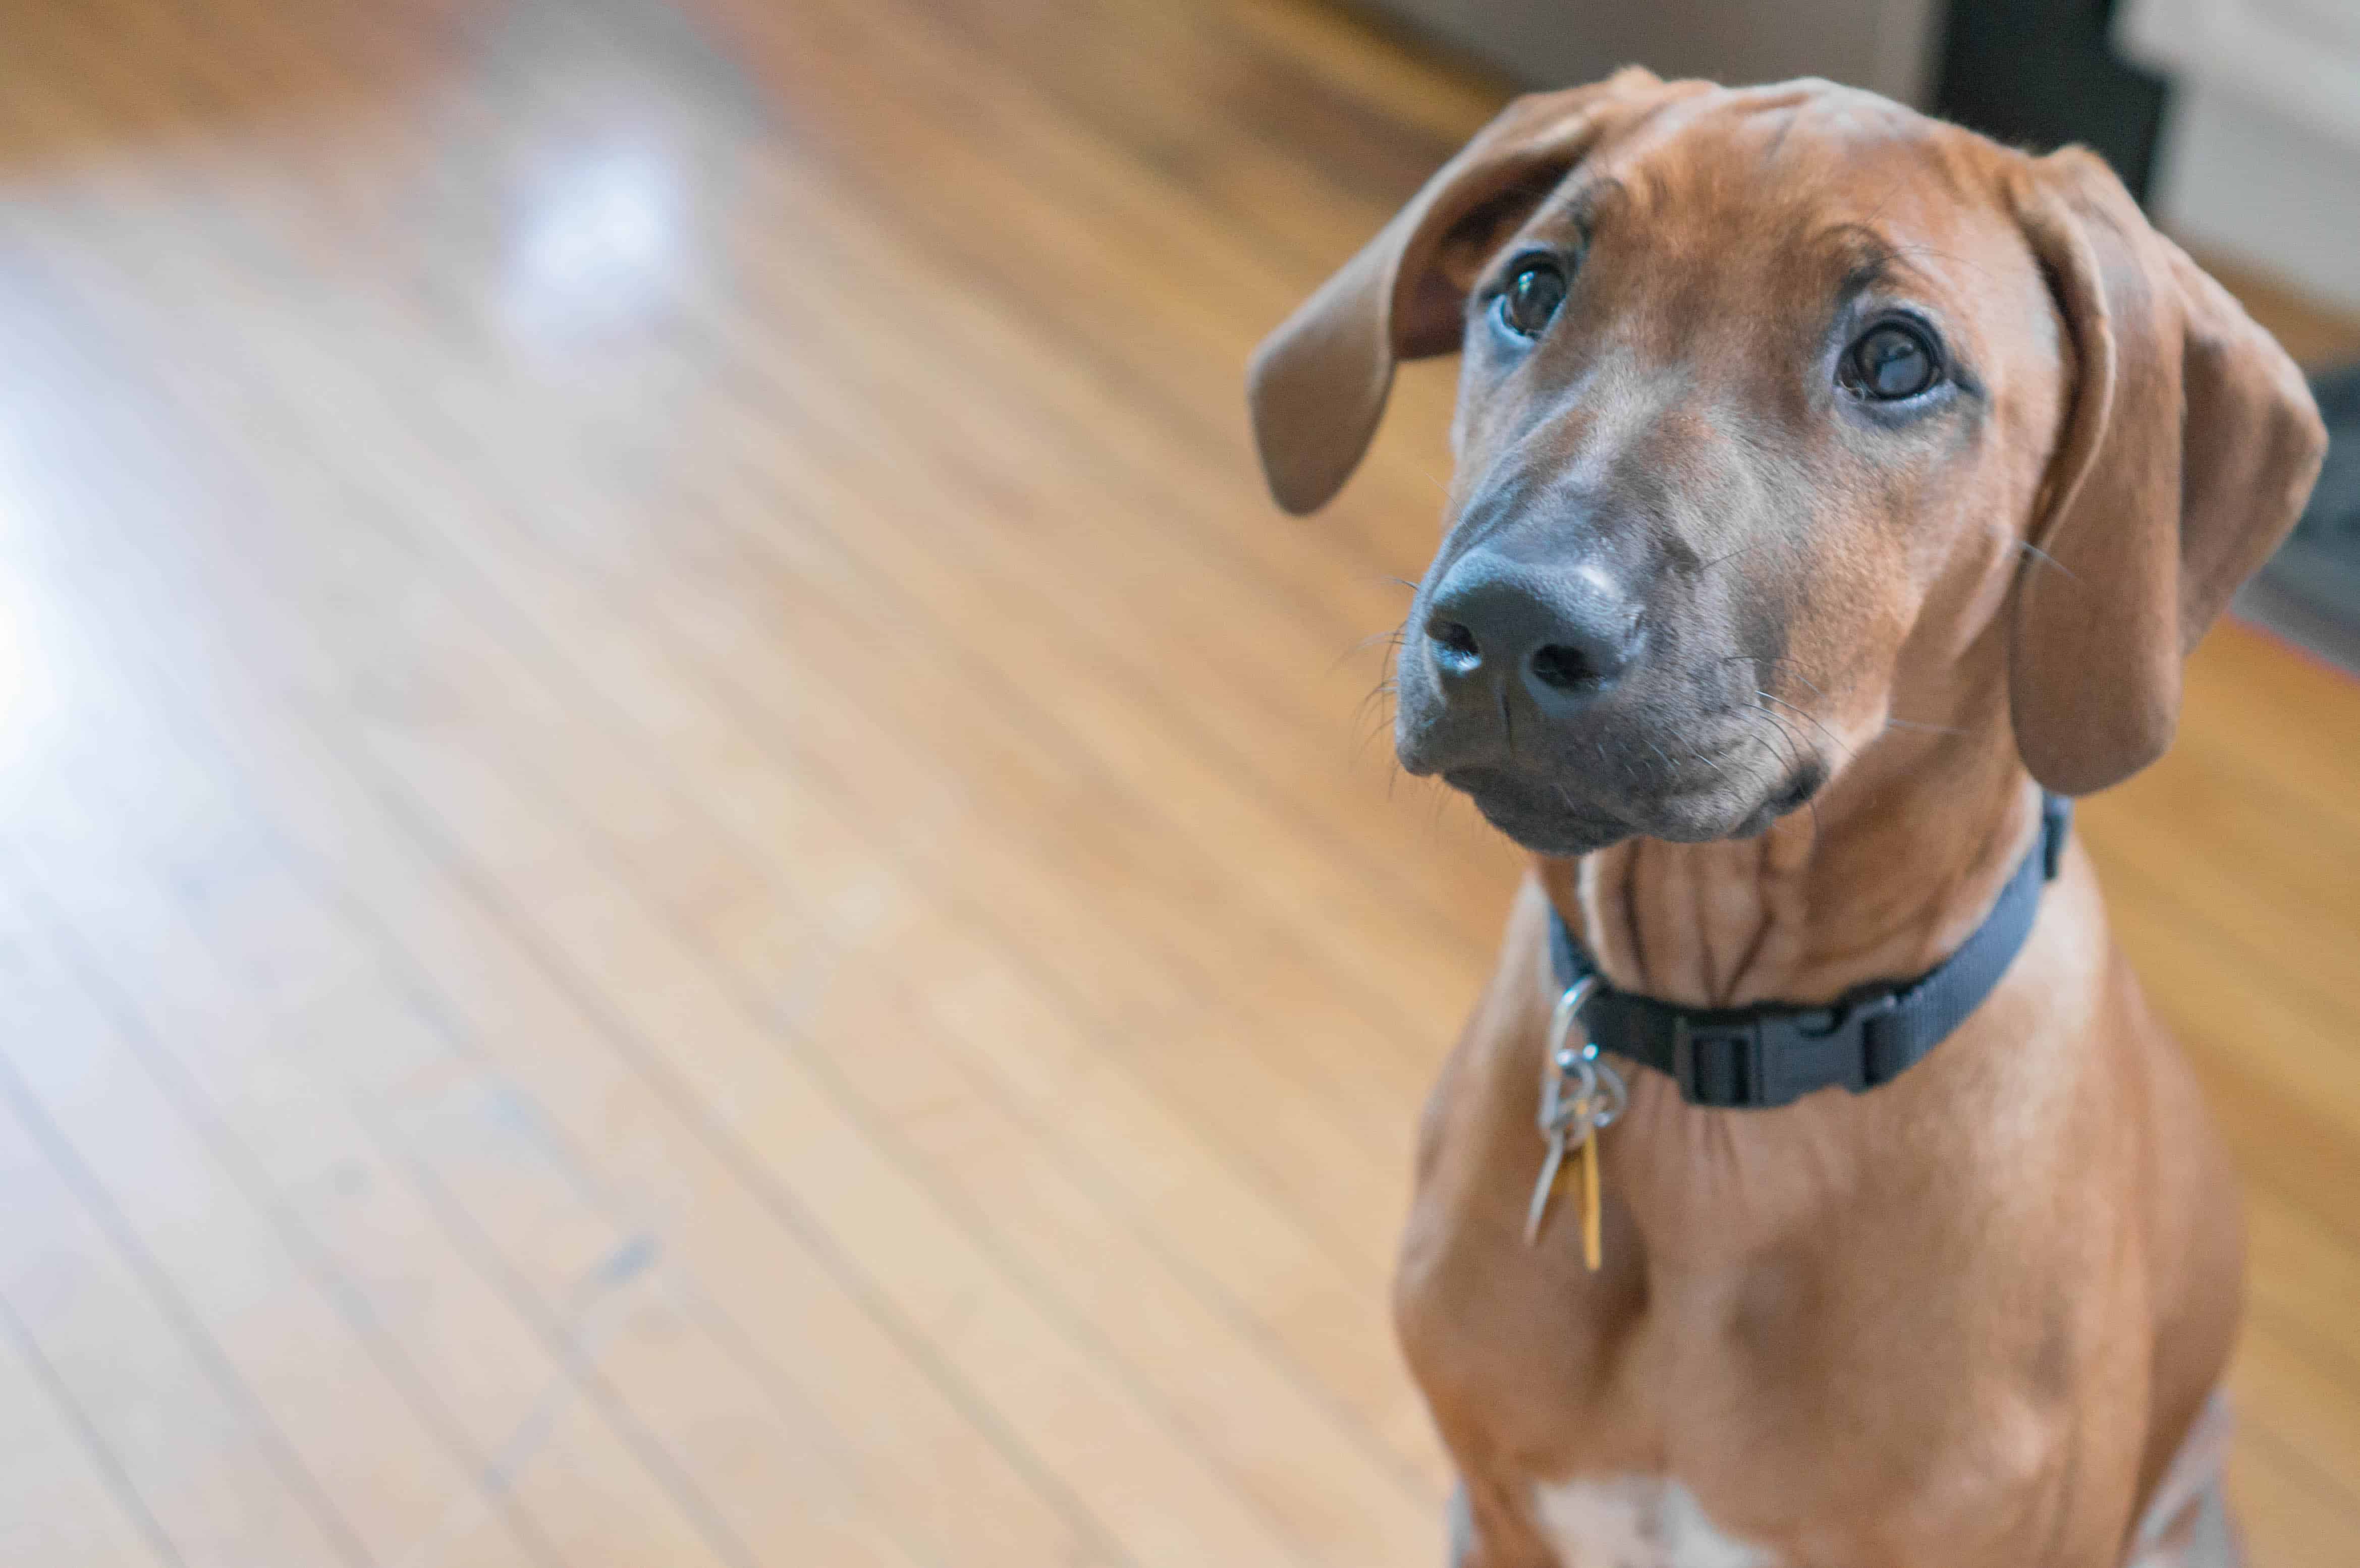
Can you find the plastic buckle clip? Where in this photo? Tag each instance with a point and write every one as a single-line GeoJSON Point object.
{"type": "Point", "coordinates": [1718, 1064]}
{"type": "Point", "coordinates": [1877, 1065]}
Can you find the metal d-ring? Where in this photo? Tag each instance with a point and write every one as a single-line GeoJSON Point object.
{"type": "Point", "coordinates": [1598, 1094]}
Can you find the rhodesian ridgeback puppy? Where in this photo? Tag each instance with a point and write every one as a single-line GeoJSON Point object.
{"type": "Point", "coordinates": [1831, 482]}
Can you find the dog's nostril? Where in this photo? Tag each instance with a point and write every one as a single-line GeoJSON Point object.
{"type": "Point", "coordinates": [1454, 643]}
{"type": "Point", "coordinates": [1565, 669]}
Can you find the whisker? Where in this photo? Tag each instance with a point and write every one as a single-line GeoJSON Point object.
{"type": "Point", "coordinates": [1794, 755]}
{"type": "Point", "coordinates": [1698, 756]}
{"type": "Point", "coordinates": [2034, 550]}
{"type": "Point", "coordinates": [1392, 638]}
{"type": "Point", "coordinates": [1732, 555]}
{"type": "Point", "coordinates": [1809, 717]}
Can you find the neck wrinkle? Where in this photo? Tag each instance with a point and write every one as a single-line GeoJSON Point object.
{"type": "Point", "coordinates": [1904, 858]}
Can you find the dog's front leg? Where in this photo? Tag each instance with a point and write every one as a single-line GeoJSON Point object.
{"type": "Point", "coordinates": [1491, 1525]}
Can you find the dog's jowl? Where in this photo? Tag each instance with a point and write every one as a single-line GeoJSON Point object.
{"type": "Point", "coordinates": [1836, 496]}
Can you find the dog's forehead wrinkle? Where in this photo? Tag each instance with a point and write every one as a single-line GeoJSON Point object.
{"type": "Point", "coordinates": [1870, 255]}
{"type": "Point", "coordinates": [1701, 168]}
{"type": "Point", "coordinates": [1721, 136]}
{"type": "Point", "coordinates": [1666, 287]}
{"type": "Point", "coordinates": [1580, 204]}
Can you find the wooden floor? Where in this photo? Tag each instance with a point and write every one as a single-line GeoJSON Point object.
{"type": "Point", "coordinates": [689, 877]}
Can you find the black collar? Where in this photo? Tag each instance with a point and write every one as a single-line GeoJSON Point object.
{"type": "Point", "coordinates": [1775, 1053]}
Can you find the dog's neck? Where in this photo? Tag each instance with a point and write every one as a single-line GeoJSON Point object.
{"type": "Point", "coordinates": [1880, 879]}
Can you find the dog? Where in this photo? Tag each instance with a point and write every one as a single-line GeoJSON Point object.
{"type": "Point", "coordinates": [1833, 488]}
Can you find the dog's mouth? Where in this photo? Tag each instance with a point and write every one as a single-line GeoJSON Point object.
{"type": "Point", "coordinates": [1559, 818]}
{"type": "Point", "coordinates": [1547, 819]}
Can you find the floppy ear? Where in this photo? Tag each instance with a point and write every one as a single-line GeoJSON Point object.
{"type": "Point", "coordinates": [1317, 385]}
{"type": "Point", "coordinates": [2189, 447]}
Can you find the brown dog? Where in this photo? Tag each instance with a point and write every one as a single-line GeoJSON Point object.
{"type": "Point", "coordinates": [1811, 452]}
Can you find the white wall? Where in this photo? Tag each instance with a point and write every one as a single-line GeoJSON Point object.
{"type": "Point", "coordinates": [2260, 158]}
{"type": "Point", "coordinates": [2243, 182]}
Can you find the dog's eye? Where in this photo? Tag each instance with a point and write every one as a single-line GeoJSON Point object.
{"type": "Point", "coordinates": [1534, 290]}
{"type": "Point", "coordinates": [1890, 362]}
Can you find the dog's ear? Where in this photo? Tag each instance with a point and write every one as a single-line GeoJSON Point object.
{"type": "Point", "coordinates": [2189, 447]}
{"type": "Point", "coordinates": [1317, 385]}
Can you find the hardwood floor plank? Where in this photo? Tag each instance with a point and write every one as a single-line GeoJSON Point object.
{"type": "Point", "coordinates": [2301, 1453]}
{"type": "Point", "coordinates": [2289, 1520]}
{"type": "Point", "coordinates": [315, 1375]}
{"type": "Point", "coordinates": [220, 1483]}
{"type": "Point", "coordinates": [63, 1498]}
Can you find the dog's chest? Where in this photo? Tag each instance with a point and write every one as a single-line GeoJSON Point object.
{"type": "Point", "coordinates": [1639, 1521]}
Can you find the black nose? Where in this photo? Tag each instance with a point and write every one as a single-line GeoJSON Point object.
{"type": "Point", "coordinates": [1565, 632]}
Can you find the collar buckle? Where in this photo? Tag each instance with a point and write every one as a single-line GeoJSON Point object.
{"type": "Point", "coordinates": [1768, 1058]}
{"type": "Point", "coordinates": [1721, 1062]}
{"type": "Point", "coordinates": [1877, 1019]}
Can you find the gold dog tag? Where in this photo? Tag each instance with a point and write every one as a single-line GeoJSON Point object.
{"type": "Point", "coordinates": [1593, 1246]}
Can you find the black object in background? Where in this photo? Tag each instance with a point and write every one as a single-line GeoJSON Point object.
{"type": "Point", "coordinates": [2042, 73]}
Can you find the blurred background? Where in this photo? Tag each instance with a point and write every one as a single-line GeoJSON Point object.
{"type": "Point", "coordinates": [688, 873]}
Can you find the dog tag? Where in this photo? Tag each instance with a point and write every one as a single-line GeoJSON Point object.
{"type": "Point", "coordinates": [1593, 1246]}
{"type": "Point", "coordinates": [1580, 1095]}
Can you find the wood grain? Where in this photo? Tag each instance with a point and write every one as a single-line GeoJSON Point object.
{"type": "Point", "coordinates": [689, 876]}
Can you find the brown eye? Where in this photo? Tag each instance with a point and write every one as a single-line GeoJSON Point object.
{"type": "Point", "coordinates": [1530, 300]}
{"type": "Point", "coordinates": [1890, 362]}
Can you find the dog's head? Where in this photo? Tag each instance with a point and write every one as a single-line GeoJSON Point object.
{"type": "Point", "coordinates": [1786, 415]}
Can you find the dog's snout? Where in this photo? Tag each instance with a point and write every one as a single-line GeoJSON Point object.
{"type": "Point", "coordinates": [1563, 633]}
